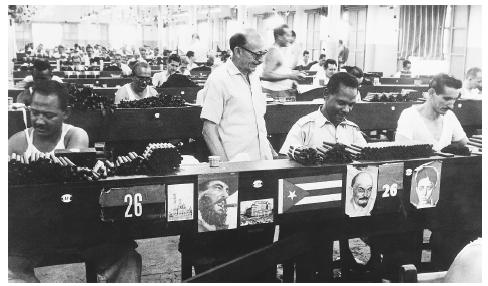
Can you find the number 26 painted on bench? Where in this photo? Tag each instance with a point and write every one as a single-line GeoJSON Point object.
{"type": "Point", "coordinates": [137, 204]}
{"type": "Point", "coordinates": [390, 191]}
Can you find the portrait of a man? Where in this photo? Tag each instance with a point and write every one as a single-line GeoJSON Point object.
{"type": "Point", "coordinates": [361, 190]}
{"type": "Point", "coordinates": [217, 204]}
{"type": "Point", "coordinates": [424, 192]}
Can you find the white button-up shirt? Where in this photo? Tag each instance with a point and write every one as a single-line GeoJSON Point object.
{"type": "Point", "coordinates": [313, 129]}
{"type": "Point", "coordinates": [237, 107]}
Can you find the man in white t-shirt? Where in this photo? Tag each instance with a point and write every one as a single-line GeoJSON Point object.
{"type": "Point", "coordinates": [174, 62]}
{"type": "Point", "coordinates": [139, 88]}
{"type": "Point", "coordinates": [433, 122]}
{"type": "Point", "coordinates": [472, 84]}
{"type": "Point", "coordinates": [323, 76]}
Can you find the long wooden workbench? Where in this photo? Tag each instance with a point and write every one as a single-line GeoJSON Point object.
{"type": "Point", "coordinates": [42, 215]}
{"type": "Point", "coordinates": [184, 122]}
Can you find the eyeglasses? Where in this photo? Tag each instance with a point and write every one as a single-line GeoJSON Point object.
{"type": "Point", "coordinates": [363, 191]}
{"type": "Point", "coordinates": [256, 56]}
{"type": "Point", "coordinates": [144, 79]}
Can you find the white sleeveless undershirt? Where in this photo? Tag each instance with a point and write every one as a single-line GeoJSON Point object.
{"type": "Point", "coordinates": [32, 149]}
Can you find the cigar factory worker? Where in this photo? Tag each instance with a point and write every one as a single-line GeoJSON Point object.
{"type": "Point", "coordinates": [329, 122]}
{"type": "Point", "coordinates": [49, 110]}
{"type": "Point", "coordinates": [114, 262]}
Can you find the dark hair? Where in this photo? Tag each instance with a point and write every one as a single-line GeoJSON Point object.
{"type": "Point", "coordinates": [237, 40]}
{"type": "Point", "coordinates": [321, 56]}
{"type": "Point", "coordinates": [341, 77]}
{"type": "Point", "coordinates": [293, 34]}
{"type": "Point", "coordinates": [190, 54]}
{"type": "Point", "coordinates": [330, 62]}
{"type": "Point", "coordinates": [472, 72]}
{"type": "Point", "coordinates": [355, 71]}
{"type": "Point", "coordinates": [440, 81]}
{"type": "Point", "coordinates": [406, 62]}
{"type": "Point", "coordinates": [280, 30]}
{"type": "Point", "coordinates": [50, 87]}
{"type": "Point", "coordinates": [41, 65]}
{"type": "Point", "coordinates": [139, 65]}
{"type": "Point", "coordinates": [306, 52]}
{"type": "Point", "coordinates": [340, 42]}
{"type": "Point", "coordinates": [427, 172]}
{"type": "Point", "coordinates": [175, 58]}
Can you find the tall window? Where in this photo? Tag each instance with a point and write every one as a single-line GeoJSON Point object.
{"type": "Point", "coordinates": [422, 31]}
{"type": "Point", "coordinates": [312, 43]}
{"type": "Point", "coordinates": [357, 36]}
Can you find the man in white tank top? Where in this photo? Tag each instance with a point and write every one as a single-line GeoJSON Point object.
{"type": "Point", "coordinates": [139, 88]}
{"type": "Point", "coordinates": [114, 262]}
{"type": "Point", "coordinates": [278, 78]}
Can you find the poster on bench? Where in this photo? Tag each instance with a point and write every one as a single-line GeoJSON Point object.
{"type": "Point", "coordinates": [390, 188]}
{"type": "Point", "coordinates": [361, 189]}
{"type": "Point", "coordinates": [217, 201]}
{"type": "Point", "coordinates": [425, 187]}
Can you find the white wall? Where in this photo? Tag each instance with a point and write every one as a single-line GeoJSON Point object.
{"type": "Point", "coordinates": [475, 41]}
{"type": "Point", "coordinates": [382, 39]}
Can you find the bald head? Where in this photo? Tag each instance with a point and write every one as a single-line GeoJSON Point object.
{"type": "Point", "coordinates": [362, 186]}
{"type": "Point", "coordinates": [247, 50]}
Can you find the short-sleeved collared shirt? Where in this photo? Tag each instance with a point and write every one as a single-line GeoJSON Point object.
{"type": "Point", "coordinates": [237, 107]}
{"type": "Point", "coordinates": [313, 129]}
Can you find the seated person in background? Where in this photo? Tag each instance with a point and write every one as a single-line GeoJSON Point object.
{"type": "Point", "coordinates": [125, 69]}
{"type": "Point", "coordinates": [406, 70]}
{"type": "Point", "coordinates": [60, 53]}
{"type": "Point", "coordinates": [90, 54]}
{"type": "Point", "coordinates": [329, 123]}
{"type": "Point", "coordinates": [140, 87]}
{"type": "Point", "coordinates": [76, 64]}
{"type": "Point", "coordinates": [319, 67]}
{"type": "Point", "coordinates": [304, 62]}
{"type": "Point", "coordinates": [114, 262]}
{"type": "Point", "coordinates": [323, 76]}
{"type": "Point", "coordinates": [433, 122]}
{"type": "Point", "coordinates": [184, 66]}
{"type": "Point", "coordinates": [40, 71]}
{"type": "Point", "coordinates": [472, 84]}
{"type": "Point", "coordinates": [191, 60]}
{"type": "Point", "coordinates": [359, 75]}
{"type": "Point", "coordinates": [173, 66]}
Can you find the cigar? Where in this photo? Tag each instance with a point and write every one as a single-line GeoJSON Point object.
{"type": "Point", "coordinates": [36, 156]}
{"type": "Point", "coordinates": [478, 136]}
{"type": "Point", "coordinates": [117, 164]}
{"type": "Point", "coordinates": [95, 175]}
{"type": "Point", "coordinates": [325, 143]}
{"type": "Point", "coordinates": [119, 160]}
{"type": "Point", "coordinates": [22, 160]}
{"type": "Point", "coordinates": [13, 156]}
{"type": "Point", "coordinates": [475, 140]}
{"type": "Point", "coordinates": [474, 144]}
{"type": "Point", "coordinates": [131, 156]}
{"type": "Point", "coordinates": [69, 161]}
{"type": "Point", "coordinates": [357, 146]}
{"type": "Point", "coordinates": [110, 164]}
{"type": "Point", "coordinates": [26, 159]}
{"type": "Point", "coordinates": [354, 148]}
{"type": "Point", "coordinates": [124, 160]}
{"type": "Point", "coordinates": [18, 158]}
{"type": "Point", "coordinates": [352, 151]}
{"type": "Point", "coordinates": [63, 162]}
{"type": "Point", "coordinates": [128, 159]}
{"type": "Point", "coordinates": [56, 160]}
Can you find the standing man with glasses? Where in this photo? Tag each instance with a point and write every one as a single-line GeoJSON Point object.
{"type": "Point", "coordinates": [278, 78]}
{"type": "Point", "coordinates": [234, 128]}
{"type": "Point", "coordinates": [234, 106]}
{"type": "Point", "coordinates": [140, 87]}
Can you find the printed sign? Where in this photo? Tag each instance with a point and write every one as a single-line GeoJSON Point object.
{"type": "Point", "coordinates": [180, 202]}
{"type": "Point", "coordinates": [256, 212]}
{"type": "Point", "coordinates": [390, 188]}
{"type": "Point", "coordinates": [217, 201]}
{"type": "Point", "coordinates": [425, 187]}
{"type": "Point", "coordinates": [361, 190]}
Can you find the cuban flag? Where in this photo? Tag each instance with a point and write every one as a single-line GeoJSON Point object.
{"type": "Point", "coordinates": [309, 193]}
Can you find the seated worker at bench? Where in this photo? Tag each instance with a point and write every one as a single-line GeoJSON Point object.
{"type": "Point", "coordinates": [114, 262]}
{"type": "Point", "coordinates": [140, 87]}
{"type": "Point", "coordinates": [327, 124]}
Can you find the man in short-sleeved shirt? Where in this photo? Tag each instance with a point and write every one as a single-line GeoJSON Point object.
{"type": "Point", "coordinates": [472, 84]}
{"type": "Point", "coordinates": [234, 106]}
{"type": "Point", "coordinates": [329, 122]}
{"type": "Point", "coordinates": [433, 122]}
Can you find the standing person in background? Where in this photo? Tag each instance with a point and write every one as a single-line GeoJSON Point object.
{"type": "Point", "coordinates": [343, 54]}
{"type": "Point", "coordinates": [191, 60]}
{"type": "Point", "coordinates": [293, 50]}
{"type": "Point", "coordinates": [472, 84]}
{"type": "Point", "coordinates": [197, 47]}
{"type": "Point", "coordinates": [278, 78]}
